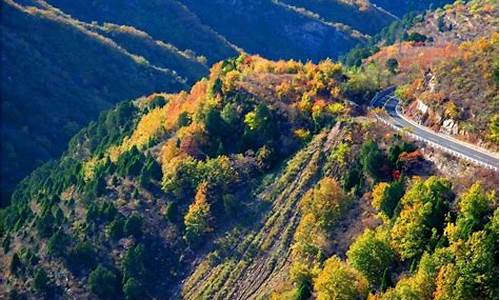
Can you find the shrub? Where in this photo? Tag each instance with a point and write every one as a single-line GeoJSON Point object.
{"type": "Point", "coordinates": [132, 289]}
{"type": "Point", "coordinates": [133, 225]}
{"type": "Point", "coordinates": [372, 159]}
{"type": "Point", "coordinates": [103, 283]}
{"type": "Point", "coordinates": [338, 280]}
{"type": "Point", "coordinates": [392, 65]}
{"type": "Point", "coordinates": [372, 256]}
{"type": "Point", "coordinates": [197, 219]}
{"type": "Point", "coordinates": [41, 281]}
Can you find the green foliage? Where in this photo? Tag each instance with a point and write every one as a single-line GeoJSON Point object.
{"type": "Point", "coordinates": [387, 36]}
{"type": "Point", "coordinates": [57, 244]}
{"type": "Point", "coordinates": [132, 289]}
{"type": "Point", "coordinates": [340, 153]}
{"type": "Point", "coordinates": [397, 147]}
{"type": "Point", "coordinates": [133, 225]}
{"type": "Point", "coordinates": [134, 263]}
{"type": "Point", "coordinates": [82, 256]}
{"type": "Point", "coordinates": [260, 126]}
{"type": "Point", "coordinates": [15, 264]}
{"type": "Point", "coordinates": [493, 129]}
{"type": "Point", "coordinates": [416, 37]}
{"type": "Point", "coordinates": [473, 272]}
{"type": "Point", "coordinates": [392, 65]}
{"type": "Point", "coordinates": [372, 159]}
{"type": "Point", "coordinates": [230, 115]}
{"type": "Point", "coordinates": [130, 163]}
{"type": "Point", "coordinates": [386, 196]}
{"type": "Point", "coordinates": [27, 261]}
{"type": "Point", "coordinates": [115, 229]}
{"type": "Point", "coordinates": [100, 213]}
{"type": "Point", "coordinates": [213, 122]}
{"type": "Point", "coordinates": [171, 212]}
{"type": "Point", "coordinates": [442, 26]}
{"type": "Point", "coordinates": [184, 119]}
{"type": "Point", "coordinates": [158, 101]}
{"type": "Point", "coordinates": [421, 220]}
{"type": "Point", "coordinates": [352, 179]}
{"type": "Point", "coordinates": [475, 208]}
{"type": "Point", "coordinates": [372, 256]}
{"type": "Point", "coordinates": [103, 282]}
{"type": "Point", "coordinates": [338, 281]}
{"type": "Point", "coordinates": [356, 55]}
{"type": "Point", "coordinates": [183, 178]}
{"type": "Point", "coordinates": [151, 170]}
{"type": "Point", "coordinates": [46, 223]}
{"type": "Point", "coordinates": [41, 281]}
{"type": "Point", "coordinates": [232, 204]}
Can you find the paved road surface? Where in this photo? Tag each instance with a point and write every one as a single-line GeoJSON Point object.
{"type": "Point", "coordinates": [395, 119]}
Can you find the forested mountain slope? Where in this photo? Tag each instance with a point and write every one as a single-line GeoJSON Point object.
{"type": "Point", "coordinates": [266, 180]}
{"type": "Point", "coordinates": [165, 20]}
{"type": "Point", "coordinates": [259, 182]}
{"type": "Point", "coordinates": [62, 73]}
{"type": "Point", "coordinates": [150, 46]}
{"type": "Point", "coordinates": [310, 29]}
{"type": "Point", "coordinates": [402, 7]}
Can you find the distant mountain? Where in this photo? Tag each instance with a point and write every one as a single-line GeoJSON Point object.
{"type": "Point", "coordinates": [211, 28]}
{"type": "Point", "coordinates": [166, 20]}
{"type": "Point", "coordinates": [401, 7]}
{"type": "Point", "coordinates": [59, 73]}
{"type": "Point", "coordinates": [87, 55]}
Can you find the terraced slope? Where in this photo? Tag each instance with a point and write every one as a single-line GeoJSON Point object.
{"type": "Point", "coordinates": [261, 257]}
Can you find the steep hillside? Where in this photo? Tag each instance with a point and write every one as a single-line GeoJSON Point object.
{"type": "Point", "coordinates": [448, 71]}
{"type": "Point", "coordinates": [165, 20]}
{"type": "Point", "coordinates": [212, 28]}
{"type": "Point", "coordinates": [250, 185]}
{"type": "Point", "coordinates": [66, 74]}
{"type": "Point", "coordinates": [403, 7]}
{"type": "Point", "coordinates": [310, 29]}
{"type": "Point", "coordinates": [117, 158]}
{"type": "Point", "coordinates": [158, 45]}
{"type": "Point", "coordinates": [362, 15]}
{"type": "Point", "coordinates": [249, 24]}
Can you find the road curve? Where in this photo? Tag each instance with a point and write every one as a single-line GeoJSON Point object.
{"type": "Point", "coordinates": [394, 118]}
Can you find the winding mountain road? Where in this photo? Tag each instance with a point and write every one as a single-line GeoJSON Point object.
{"type": "Point", "coordinates": [395, 119]}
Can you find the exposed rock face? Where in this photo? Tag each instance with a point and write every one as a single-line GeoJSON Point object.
{"type": "Point", "coordinates": [422, 107]}
{"type": "Point", "coordinates": [450, 127]}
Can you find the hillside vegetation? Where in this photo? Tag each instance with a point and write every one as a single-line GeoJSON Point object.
{"type": "Point", "coordinates": [66, 74]}
{"type": "Point", "coordinates": [87, 56]}
{"type": "Point", "coordinates": [266, 179]}
{"type": "Point", "coordinates": [446, 67]}
{"type": "Point", "coordinates": [259, 182]}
